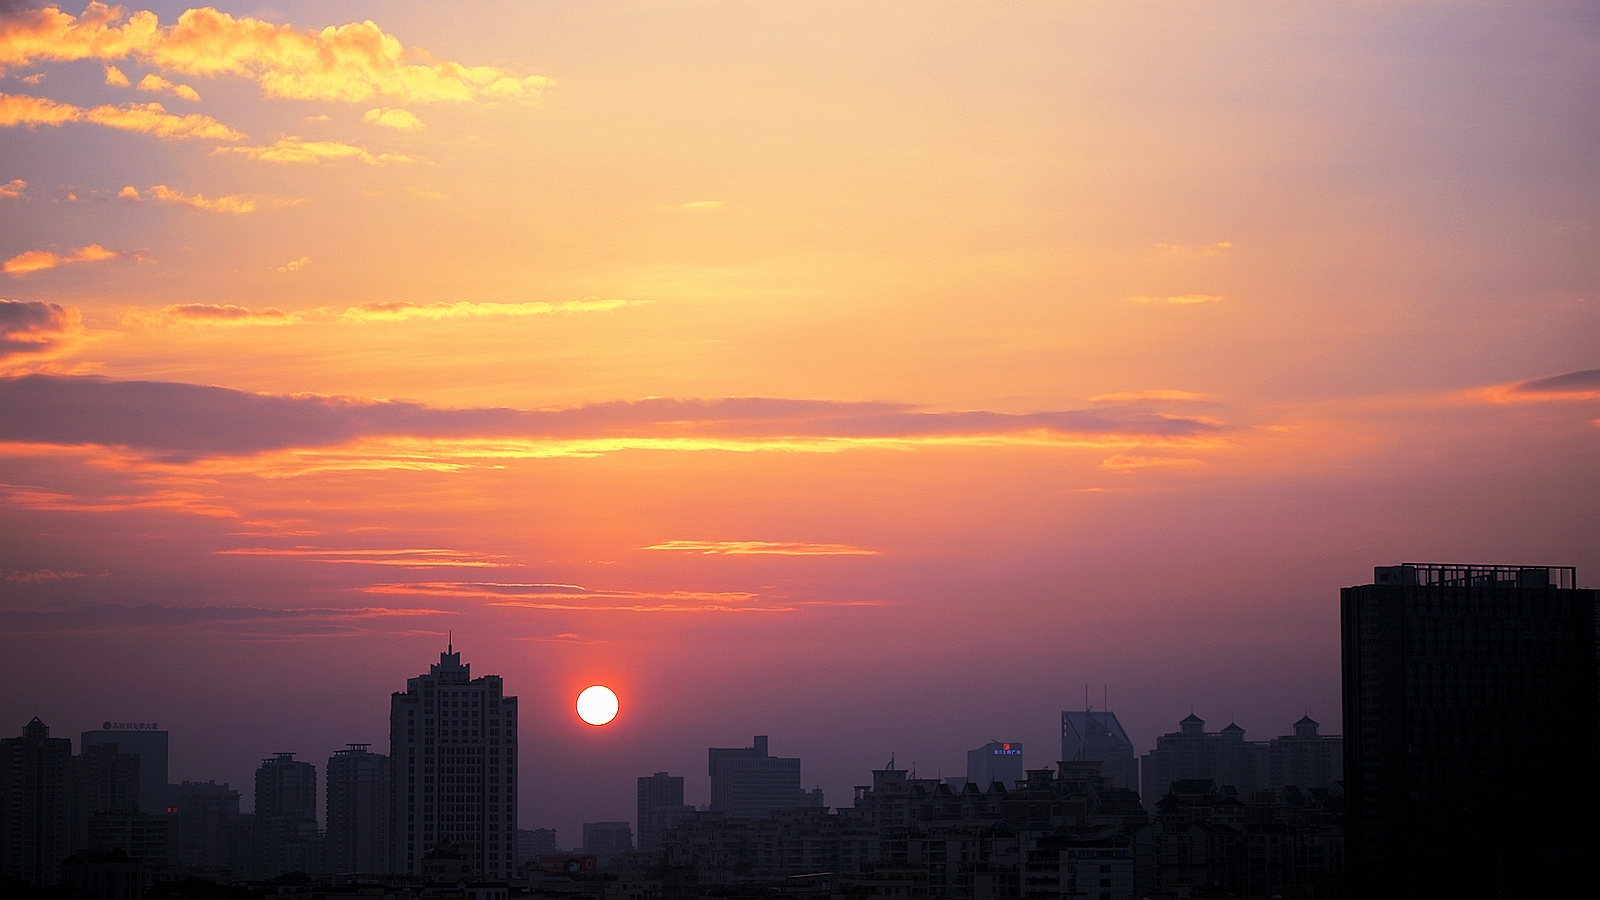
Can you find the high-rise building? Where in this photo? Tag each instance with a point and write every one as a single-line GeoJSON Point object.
{"type": "Point", "coordinates": [358, 811]}
{"type": "Point", "coordinates": [453, 749]}
{"type": "Point", "coordinates": [210, 831]}
{"type": "Point", "coordinates": [1305, 759]}
{"type": "Point", "coordinates": [535, 842]}
{"type": "Point", "coordinates": [1088, 736]}
{"type": "Point", "coordinates": [286, 817]}
{"type": "Point", "coordinates": [748, 783]}
{"type": "Point", "coordinates": [147, 742]}
{"type": "Point", "coordinates": [996, 761]}
{"type": "Point", "coordinates": [1192, 753]}
{"type": "Point", "coordinates": [660, 806]}
{"type": "Point", "coordinates": [35, 788]}
{"type": "Point", "coordinates": [607, 839]}
{"type": "Point", "coordinates": [1469, 722]}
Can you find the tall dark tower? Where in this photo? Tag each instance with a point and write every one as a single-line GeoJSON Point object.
{"type": "Point", "coordinates": [453, 758]}
{"type": "Point", "coordinates": [358, 811]}
{"type": "Point", "coordinates": [35, 783]}
{"type": "Point", "coordinates": [1469, 720]}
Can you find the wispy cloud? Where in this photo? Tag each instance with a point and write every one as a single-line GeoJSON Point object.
{"type": "Point", "coordinates": [295, 265]}
{"type": "Point", "coordinates": [398, 119]}
{"type": "Point", "coordinates": [17, 576]}
{"type": "Point", "coordinates": [762, 548]}
{"type": "Point", "coordinates": [1181, 299]}
{"type": "Point", "coordinates": [1584, 385]}
{"type": "Point", "coordinates": [703, 204]}
{"type": "Point", "coordinates": [1216, 249]}
{"type": "Point", "coordinates": [349, 63]}
{"type": "Point", "coordinates": [30, 261]}
{"type": "Point", "coordinates": [297, 150]}
{"type": "Point", "coordinates": [216, 620]}
{"type": "Point", "coordinates": [1154, 394]}
{"type": "Point", "coordinates": [147, 118]}
{"type": "Point", "coordinates": [1123, 462]}
{"type": "Point", "coordinates": [572, 598]}
{"type": "Point", "coordinates": [188, 502]}
{"type": "Point", "coordinates": [406, 558]}
{"type": "Point", "coordinates": [229, 203]}
{"type": "Point", "coordinates": [400, 311]}
{"type": "Point", "coordinates": [223, 314]}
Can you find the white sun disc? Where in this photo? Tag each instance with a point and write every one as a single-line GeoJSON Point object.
{"type": "Point", "coordinates": [597, 705]}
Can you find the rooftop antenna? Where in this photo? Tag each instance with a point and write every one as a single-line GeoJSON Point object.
{"type": "Point", "coordinates": [450, 642]}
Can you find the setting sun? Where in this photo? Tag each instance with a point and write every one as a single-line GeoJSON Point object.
{"type": "Point", "coordinates": [597, 705]}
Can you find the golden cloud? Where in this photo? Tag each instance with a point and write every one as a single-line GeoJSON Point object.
{"type": "Point", "coordinates": [12, 190]}
{"type": "Point", "coordinates": [406, 558]}
{"type": "Point", "coordinates": [350, 63]}
{"type": "Point", "coordinates": [762, 548]}
{"type": "Point", "coordinates": [1181, 299]}
{"type": "Point", "coordinates": [400, 311]}
{"type": "Point", "coordinates": [1154, 394]}
{"type": "Point", "coordinates": [295, 265]}
{"type": "Point", "coordinates": [155, 84]}
{"type": "Point", "coordinates": [148, 118]}
{"type": "Point", "coordinates": [296, 150]}
{"type": "Point", "coordinates": [1124, 463]}
{"type": "Point", "coordinates": [32, 331]}
{"type": "Point", "coordinates": [30, 261]}
{"type": "Point", "coordinates": [115, 78]}
{"type": "Point", "coordinates": [224, 314]}
{"type": "Point", "coordinates": [231, 203]}
{"type": "Point", "coordinates": [392, 118]}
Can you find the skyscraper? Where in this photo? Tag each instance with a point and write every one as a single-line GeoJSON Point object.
{"type": "Point", "coordinates": [453, 752]}
{"type": "Point", "coordinates": [35, 779]}
{"type": "Point", "coordinates": [1469, 720]}
{"type": "Point", "coordinates": [286, 816]}
{"type": "Point", "coordinates": [660, 806]}
{"type": "Point", "coordinates": [996, 761]}
{"type": "Point", "coordinates": [150, 744]}
{"type": "Point", "coordinates": [1088, 735]}
{"type": "Point", "coordinates": [358, 811]}
{"type": "Point", "coordinates": [746, 782]}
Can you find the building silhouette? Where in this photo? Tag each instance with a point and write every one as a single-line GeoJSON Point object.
{"type": "Point", "coordinates": [358, 811]}
{"type": "Point", "coordinates": [748, 783]}
{"type": "Point", "coordinates": [148, 743]}
{"type": "Point", "coordinates": [607, 839]}
{"type": "Point", "coordinates": [1305, 759]}
{"type": "Point", "coordinates": [107, 811]}
{"type": "Point", "coordinates": [1469, 722]}
{"type": "Point", "coordinates": [1090, 735]}
{"type": "Point", "coordinates": [995, 761]}
{"type": "Point", "coordinates": [453, 752]}
{"type": "Point", "coordinates": [211, 831]}
{"type": "Point", "coordinates": [1192, 753]}
{"type": "Point", "coordinates": [660, 806]}
{"type": "Point", "coordinates": [35, 788]}
{"type": "Point", "coordinates": [287, 839]}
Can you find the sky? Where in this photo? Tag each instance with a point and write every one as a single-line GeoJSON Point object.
{"type": "Point", "coordinates": [883, 378]}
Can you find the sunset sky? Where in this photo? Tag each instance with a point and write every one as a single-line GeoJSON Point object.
{"type": "Point", "coordinates": [871, 376]}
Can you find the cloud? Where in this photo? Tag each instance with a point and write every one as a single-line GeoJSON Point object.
{"type": "Point", "coordinates": [296, 150]}
{"type": "Point", "coordinates": [348, 63]}
{"type": "Point", "coordinates": [146, 118]}
{"type": "Point", "coordinates": [1156, 394]}
{"type": "Point", "coordinates": [392, 118]}
{"type": "Point", "coordinates": [1125, 463]}
{"type": "Point", "coordinates": [1584, 385]}
{"type": "Point", "coordinates": [35, 78]}
{"type": "Point", "coordinates": [295, 265]}
{"type": "Point", "coordinates": [400, 311]}
{"type": "Point", "coordinates": [221, 314]}
{"type": "Point", "coordinates": [231, 203]}
{"type": "Point", "coordinates": [225, 620]}
{"type": "Point", "coordinates": [29, 261]}
{"type": "Point", "coordinates": [191, 502]}
{"type": "Point", "coordinates": [32, 331]}
{"type": "Point", "coordinates": [16, 576]}
{"type": "Point", "coordinates": [762, 548]}
{"type": "Point", "coordinates": [407, 558]}
{"type": "Point", "coordinates": [115, 78]}
{"type": "Point", "coordinates": [1181, 300]}
{"type": "Point", "coordinates": [155, 84]}
{"type": "Point", "coordinates": [186, 422]}
{"type": "Point", "coordinates": [573, 598]}
{"type": "Point", "coordinates": [1216, 249]}
{"type": "Point", "coordinates": [703, 204]}
{"type": "Point", "coordinates": [12, 190]}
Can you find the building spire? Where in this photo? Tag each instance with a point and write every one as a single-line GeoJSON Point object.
{"type": "Point", "coordinates": [450, 641]}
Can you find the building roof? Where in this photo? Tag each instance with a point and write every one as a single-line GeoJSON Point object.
{"type": "Point", "coordinates": [1307, 720]}
{"type": "Point", "coordinates": [1191, 719]}
{"type": "Point", "coordinates": [1233, 727]}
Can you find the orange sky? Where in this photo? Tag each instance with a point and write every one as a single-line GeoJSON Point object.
{"type": "Point", "coordinates": [872, 376]}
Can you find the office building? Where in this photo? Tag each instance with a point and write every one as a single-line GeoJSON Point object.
{"type": "Point", "coordinates": [747, 783]}
{"type": "Point", "coordinates": [358, 811]}
{"type": "Point", "coordinates": [996, 761]}
{"type": "Point", "coordinates": [533, 843]}
{"type": "Point", "coordinates": [1192, 753]}
{"type": "Point", "coordinates": [607, 839]}
{"type": "Point", "coordinates": [35, 820]}
{"type": "Point", "coordinates": [149, 743]}
{"type": "Point", "coordinates": [287, 839]}
{"type": "Point", "coordinates": [1090, 736]}
{"type": "Point", "coordinates": [453, 752]}
{"type": "Point", "coordinates": [660, 806]}
{"type": "Point", "coordinates": [1305, 759]}
{"type": "Point", "coordinates": [1469, 727]}
{"type": "Point", "coordinates": [210, 829]}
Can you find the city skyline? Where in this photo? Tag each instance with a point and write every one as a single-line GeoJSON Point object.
{"type": "Point", "coordinates": [868, 378]}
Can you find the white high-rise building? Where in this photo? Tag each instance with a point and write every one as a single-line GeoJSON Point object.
{"type": "Point", "coordinates": [453, 748]}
